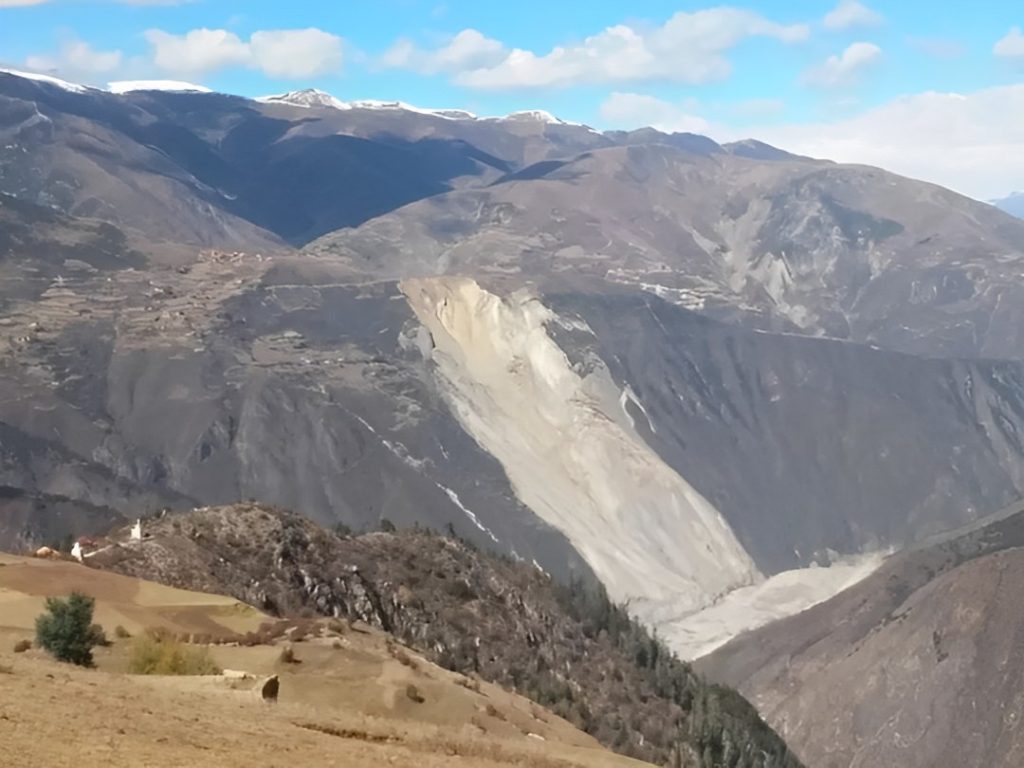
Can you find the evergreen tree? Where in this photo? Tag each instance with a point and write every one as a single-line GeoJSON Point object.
{"type": "Point", "coordinates": [66, 629]}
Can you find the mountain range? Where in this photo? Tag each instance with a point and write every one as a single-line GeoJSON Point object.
{"type": "Point", "coordinates": [1012, 204]}
{"type": "Point", "coordinates": [724, 381]}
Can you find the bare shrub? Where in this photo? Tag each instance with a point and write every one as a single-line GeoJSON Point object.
{"type": "Point", "coordinates": [158, 652]}
{"type": "Point", "coordinates": [22, 645]}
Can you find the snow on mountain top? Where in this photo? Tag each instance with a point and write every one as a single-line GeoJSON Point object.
{"type": "Point", "coordinates": [129, 86]}
{"type": "Point", "coordinates": [311, 97]}
{"type": "Point", "coordinates": [450, 114]}
{"type": "Point", "coordinates": [308, 97]}
{"type": "Point", "coordinates": [538, 115]}
{"type": "Point", "coordinates": [73, 87]}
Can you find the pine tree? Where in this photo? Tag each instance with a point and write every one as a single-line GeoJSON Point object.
{"type": "Point", "coordinates": [66, 629]}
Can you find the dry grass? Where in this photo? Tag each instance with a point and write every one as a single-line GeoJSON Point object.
{"type": "Point", "coordinates": [158, 653]}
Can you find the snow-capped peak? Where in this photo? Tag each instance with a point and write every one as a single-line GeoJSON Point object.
{"type": "Point", "coordinates": [308, 97]}
{"type": "Point", "coordinates": [178, 86]}
{"type": "Point", "coordinates": [64, 84]}
{"type": "Point", "coordinates": [449, 114]}
{"type": "Point", "coordinates": [311, 97]}
{"type": "Point", "coordinates": [535, 115]}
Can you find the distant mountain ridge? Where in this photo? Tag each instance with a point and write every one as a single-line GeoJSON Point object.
{"type": "Point", "coordinates": [1012, 204]}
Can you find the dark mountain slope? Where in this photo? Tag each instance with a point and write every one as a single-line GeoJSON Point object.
{"type": "Point", "coordinates": [787, 244]}
{"type": "Point", "coordinates": [219, 170]}
{"type": "Point", "coordinates": [920, 665]}
{"type": "Point", "coordinates": [808, 445]}
{"type": "Point", "coordinates": [567, 648]}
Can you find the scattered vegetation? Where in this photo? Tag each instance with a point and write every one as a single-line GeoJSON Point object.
{"type": "Point", "coordinates": [158, 652]}
{"type": "Point", "coordinates": [567, 647]}
{"type": "Point", "coordinates": [66, 630]}
{"type": "Point", "coordinates": [403, 658]}
{"type": "Point", "coordinates": [469, 683]}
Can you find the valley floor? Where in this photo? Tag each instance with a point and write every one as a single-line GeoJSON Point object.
{"type": "Point", "coordinates": [784, 594]}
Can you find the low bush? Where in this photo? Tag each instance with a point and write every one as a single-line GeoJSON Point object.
{"type": "Point", "coordinates": [22, 645]}
{"type": "Point", "coordinates": [158, 653]}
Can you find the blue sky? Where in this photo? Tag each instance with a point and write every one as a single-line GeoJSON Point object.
{"type": "Point", "coordinates": [834, 77]}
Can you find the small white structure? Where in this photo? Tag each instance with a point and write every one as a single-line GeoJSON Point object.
{"type": "Point", "coordinates": [76, 551]}
{"type": "Point", "coordinates": [137, 530]}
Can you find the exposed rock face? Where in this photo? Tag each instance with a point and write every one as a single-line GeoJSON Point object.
{"type": "Point", "coordinates": [572, 453]}
{"type": "Point", "coordinates": [918, 665]}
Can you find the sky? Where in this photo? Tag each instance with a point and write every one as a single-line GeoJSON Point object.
{"type": "Point", "coordinates": [934, 91]}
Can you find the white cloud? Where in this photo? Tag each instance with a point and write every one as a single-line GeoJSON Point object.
{"type": "Point", "coordinates": [971, 142]}
{"type": "Point", "coordinates": [198, 52]}
{"type": "Point", "coordinates": [850, 13]}
{"type": "Point", "coordinates": [845, 68]}
{"type": "Point", "coordinates": [469, 49]}
{"type": "Point", "coordinates": [285, 54]}
{"type": "Point", "coordinates": [633, 110]}
{"type": "Point", "coordinates": [688, 48]}
{"type": "Point", "coordinates": [296, 53]}
{"type": "Point", "coordinates": [77, 60]}
{"type": "Point", "coordinates": [20, 3]}
{"type": "Point", "coordinates": [1011, 46]}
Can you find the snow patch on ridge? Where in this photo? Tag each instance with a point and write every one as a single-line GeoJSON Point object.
{"type": "Point", "coordinates": [469, 513]}
{"type": "Point", "coordinates": [175, 86]}
{"type": "Point", "coordinates": [49, 80]}
{"type": "Point", "coordinates": [571, 454]}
